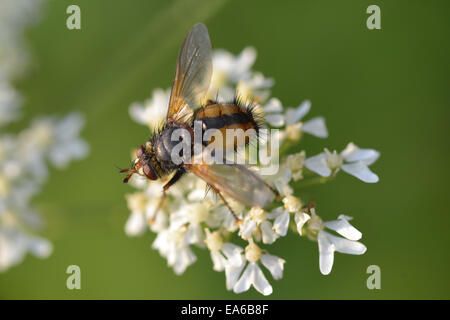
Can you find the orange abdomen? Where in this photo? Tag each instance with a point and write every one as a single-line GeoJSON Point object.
{"type": "Point", "coordinates": [236, 123]}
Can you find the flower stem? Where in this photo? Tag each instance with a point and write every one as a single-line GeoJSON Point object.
{"type": "Point", "coordinates": [312, 181]}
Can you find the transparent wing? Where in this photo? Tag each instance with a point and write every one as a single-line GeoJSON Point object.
{"type": "Point", "coordinates": [193, 74]}
{"type": "Point", "coordinates": [235, 181]}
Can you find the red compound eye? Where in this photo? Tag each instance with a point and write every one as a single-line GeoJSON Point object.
{"type": "Point", "coordinates": [149, 173]}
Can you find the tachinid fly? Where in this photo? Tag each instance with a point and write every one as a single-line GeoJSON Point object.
{"type": "Point", "coordinates": [186, 109]}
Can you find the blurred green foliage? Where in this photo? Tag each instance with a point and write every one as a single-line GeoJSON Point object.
{"type": "Point", "coordinates": [385, 89]}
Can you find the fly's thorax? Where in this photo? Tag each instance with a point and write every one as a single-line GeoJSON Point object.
{"type": "Point", "coordinates": [171, 138]}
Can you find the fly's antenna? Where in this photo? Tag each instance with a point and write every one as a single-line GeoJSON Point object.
{"type": "Point", "coordinates": [132, 170]}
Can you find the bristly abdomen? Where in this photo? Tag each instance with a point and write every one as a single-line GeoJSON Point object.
{"type": "Point", "coordinates": [231, 115]}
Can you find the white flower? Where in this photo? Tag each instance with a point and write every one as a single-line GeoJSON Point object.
{"type": "Point", "coordinates": [300, 219]}
{"type": "Point", "coordinates": [315, 126]}
{"type": "Point", "coordinates": [229, 68]}
{"type": "Point", "coordinates": [191, 215]}
{"type": "Point", "coordinates": [22, 169]}
{"type": "Point", "coordinates": [273, 112]}
{"type": "Point", "coordinates": [136, 223]}
{"type": "Point", "coordinates": [292, 205]}
{"type": "Point", "coordinates": [9, 103]}
{"type": "Point", "coordinates": [221, 216]}
{"type": "Point", "coordinates": [252, 274]}
{"type": "Point", "coordinates": [256, 224]}
{"type": "Point", "coordinates": [256, 88]}
{"type": "Point", "coordinates": [281, 180]}
{"type": "Point", "coordinates": [329, 243]}
{"type": "Point", "coordinates": [15, 16]}
{"type": "Point", "coordinates": [223, 254]}
{"type": "Point", "coordinates": [353, 160]}
{"type": "Point", "coordinates": [23, 164]}
{"type": "Point", "coordinates": [173, 244]}
{"type": "Point", "coordinates": [295, 163]}
{"type": "Point", "coordinates": [153, 111]}
{"type": "Point", "coordinates": [292, 119]}
{"type": "Point", "coordinates": [14, 245]}
{"type": "Point", "coordinates": [230, 71]}
{"type": "Point", "coordinates": [57, 139]}
{"type": "Point", "coordinates": [66, 143]}
{"type": "Point", "coordinates": [143, 205]}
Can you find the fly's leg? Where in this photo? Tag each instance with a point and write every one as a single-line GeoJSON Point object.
{"type": "Point", "coordinates": [171, 182]}
{"type": "Point", "coordinates": [227, 204]}
{"type": "Point", "coordinates": [275, 191]}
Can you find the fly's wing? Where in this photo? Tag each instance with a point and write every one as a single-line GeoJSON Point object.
{"type": "Point", "coordinates": [193, 74]}
{"type": "Point", "coordinates": [235, 181]}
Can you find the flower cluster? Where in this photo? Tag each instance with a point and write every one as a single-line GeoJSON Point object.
{"type": "Point", "coordinates": [25, 156]}
{"type": "Point", "coordinates": [239, 247]}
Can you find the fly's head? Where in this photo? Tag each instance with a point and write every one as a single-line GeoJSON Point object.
{"type": "Point", "coordinates": [142, 165]}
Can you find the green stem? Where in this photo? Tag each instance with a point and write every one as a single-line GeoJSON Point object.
{"type": "Point", "coordinates": [312, 181]}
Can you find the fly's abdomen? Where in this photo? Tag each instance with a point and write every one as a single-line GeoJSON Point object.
{"type": "Point", "coordinates": [235, 123]}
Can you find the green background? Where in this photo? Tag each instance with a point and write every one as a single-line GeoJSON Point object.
{"type": "Point", "coordinates": [385, 89]}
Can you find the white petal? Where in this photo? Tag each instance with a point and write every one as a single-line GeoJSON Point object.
{"type": "Point", "coordinates": [281, 223]}
{"type": "Point", "coordinates": [245, 60]}
{"type": "Point", "coordinates": [326, 252]}
{"type": "Point", "coordinates": [275, 213]}
{"type": "Point", "coordinates": [300, 219]}
{"type": "Point", "coordinates": [219, 261]}
{"type": "Point", "coordinates": [344, 228]}
{"type": "Point", "coordinates": [194, 234]}
{"type": "Point", "coordinates": [160, 222]}
{"type": "Point", "coordinates": [226, 94]}
{"type": "Point", "coordinates": [246, 279]}
{"type": "Point", "coordinates": [295, 115]}
{"type": "Point", "coordinates": [135, 224]}
{"type": "Point", "coordinates": [258, 81]}
{"type": "Point", "coordinates": [69, 126]}
{"type": "Point", "coordinates": [61, 154]}
{"type": "Point", "coordinates": [247, 229]}
{"type": "Point", "coordinates": [274, 265]}
{"type": "Point", "coordinates": [229, 221]}
{"type": "Point", "coordinates": [184, 258]}
{"type": "Point", "coordinates": [160, 243]}
{"type": "Point", "coordinates": [268, 235]}
{"type": "Point", "coordinates": [316, 127]}
{"type": "Point", "coordinates": [222, 60]}
{"type": "Point", "coordinates": [179, 217]}
{"type": "Point", "coordinates": [275, 120]}
{"type": "Point", "coordinates": [233, 254]}
{"type": "Point", "coordinates": [273, 106]}
{"type": "Point", "coordinates": [40, 247]}
{"type": "Point", "coordinates": [318, 164]}
{"type": "Point", "coordinates": [353, 153]}
{"type": "Point", "coordinates": [196, 195]}
{"type": "Point", "coordinates": [259, 281]}
{"type": "Point", "coordinates": [12, 249]}
{"type": "Point", "coordinates": [282, 179]}
{"type": "Point", "coordinates": [346, 246]}
{"type": "Point", "coordinates": [361, 171]}
{"type": "Point", "coordinates": [232, 275]}
{"type": "Point", "coordinates": [138, 113]}
{"type": "Point", "coordinates": [343, 216]}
